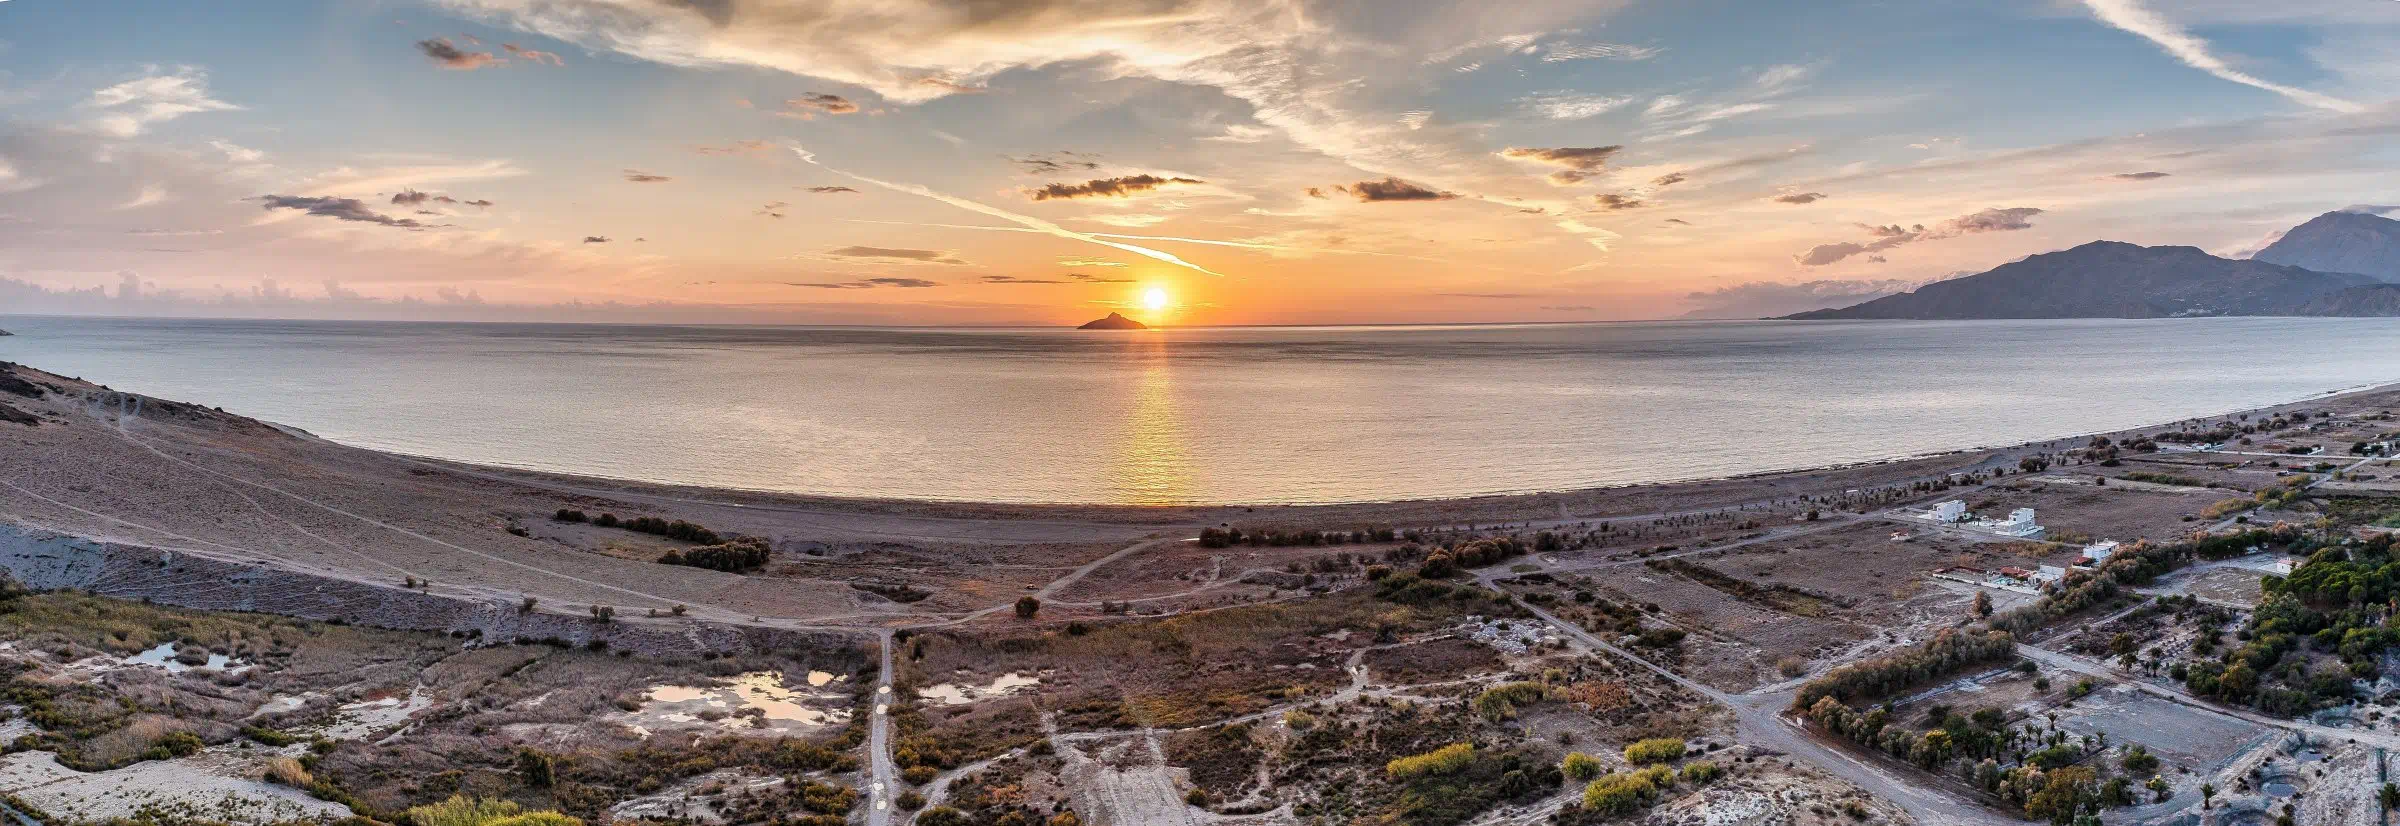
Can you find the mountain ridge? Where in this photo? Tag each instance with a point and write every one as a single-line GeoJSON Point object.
{"type": "Point", "coordinates": [2340, 241]}
{"type": "Point", "coordinates": [2115, 279]}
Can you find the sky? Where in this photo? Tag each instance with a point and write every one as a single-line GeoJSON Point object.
{"type": "Point", "coordinates": [1190, 162]}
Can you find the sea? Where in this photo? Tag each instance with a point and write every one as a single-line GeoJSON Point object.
{"type": "Point", "coordinates": [1209, 416]}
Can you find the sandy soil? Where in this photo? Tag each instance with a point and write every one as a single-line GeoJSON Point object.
{"type": "Point", "coordinates": [218, 784]}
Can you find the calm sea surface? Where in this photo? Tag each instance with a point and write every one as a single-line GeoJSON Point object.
{"type": "Point", "coordinates": [1216, 415]}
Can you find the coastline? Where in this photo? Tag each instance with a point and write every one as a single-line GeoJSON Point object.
{"type": "Point", "coordinates": [136, 483]}
{"type": "Point", "coordinates": [1538, 503]}
{"type": "Point", "coordinates": [1463, 416]}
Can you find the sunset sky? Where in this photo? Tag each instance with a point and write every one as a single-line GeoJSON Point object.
{"type": "Point", "coordinates": [1048, 161]}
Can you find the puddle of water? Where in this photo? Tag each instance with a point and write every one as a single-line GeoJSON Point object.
{"type": "Point", "coordinates": [953, 694]}
{"type": "Point", "coordinates": [683, 694]}
{"type": "Point", "coordinates": [2280, 789]}
{"type": "Point", "coordinates": [164, 657]}
{"type": "Point", "coordinates": [761, 690]}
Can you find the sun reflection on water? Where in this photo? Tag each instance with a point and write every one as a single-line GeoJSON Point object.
{"type": "Point", "coordinates": [1151, 465]}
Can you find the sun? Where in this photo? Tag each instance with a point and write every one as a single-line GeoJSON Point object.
{"type": "Point", "coordinates": [1156, 299]}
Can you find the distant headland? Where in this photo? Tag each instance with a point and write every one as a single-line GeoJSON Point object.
{"type": "Point", "coordinates": [1114, 321]}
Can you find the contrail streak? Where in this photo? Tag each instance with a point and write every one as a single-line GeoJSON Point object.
{"type": "Point", "coordinates": [1031, 223]}
{"type": "Point", "coordinates": [2131, 16]}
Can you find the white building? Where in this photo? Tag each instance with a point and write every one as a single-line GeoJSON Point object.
{"type": "Point", "coordinates": [2050, 573]}
{"type": "Point", "coordinates": [2019, 524]}
{"type": "Point", "coordinates": [2283, 566]}
{"type": "Point", "coordinates": [2099, 552]}
{"type": "Point", "coordinates": [1951, 511]}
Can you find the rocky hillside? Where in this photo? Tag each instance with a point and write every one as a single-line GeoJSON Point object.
{"type": "Point", "coordinates": [2111, 279]}
{"type": "Point", "coordinates": [2340, 242]}
{"type": "Point", "coordinates": [2372, 300]}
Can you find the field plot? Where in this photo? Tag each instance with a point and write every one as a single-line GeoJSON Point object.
{"type": "Point", "coordinates": [1188, 669]}
{"type": "Point", "coordinates": [2075, 513]}
{"type": "Point", "coordinates": [2184, 737]}
{"type": "Point", "coordinates": [1734, 644]}
{"type": "Point", "coordinates": [2224, 471]}
{"type": "Point", "coordinates": [2012, 693]}
{"type": "Point", "coordinates": [1179, 574]}
{"type": "Point", "coordinates": [1859, 563]}
{"type": "Point", "coordinates": [2227, 586]}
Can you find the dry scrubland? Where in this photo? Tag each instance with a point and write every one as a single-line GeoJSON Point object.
{"type": "Point", "coordinates": [222, 620]}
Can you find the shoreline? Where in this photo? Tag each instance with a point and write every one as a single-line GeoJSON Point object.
{"type": "Point", "coordinates": [1521, 464]}
{"type": "Point", "coordinates": [1121, 513]}
{"type": "Point", "coordinates": [1066, 327]}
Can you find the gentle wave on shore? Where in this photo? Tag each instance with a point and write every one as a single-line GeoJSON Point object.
{"type": "Point", "coordinates": [1209, 415]}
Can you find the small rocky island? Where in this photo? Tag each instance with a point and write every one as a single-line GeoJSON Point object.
{"type": "Point", "coordinates": [5, 333]}
{"type": "Point", "coordinates": [1114, 321]}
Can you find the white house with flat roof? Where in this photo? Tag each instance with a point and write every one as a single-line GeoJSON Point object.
{"type": "Point", "coordinates": [2100, 551]}
{"type": "Point", "coordinates": [2019, 524]}
{"type": "Point", "coordinates": [1951, 511]}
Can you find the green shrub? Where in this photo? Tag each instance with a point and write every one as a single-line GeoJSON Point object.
{"type": "Point", "coordinates": [1621, 794]}
{"type": "Point", "coordinates": [1699, 772]}
{"type": "Point", "coordinates": [461, 811]}
{"type": "Point", "coordinates": [1654, 750]}
{"type": "Point", "coordinates": [1500, 702]}
{"type": "Point", "coordinates": [1444, 760]}
{"type": "Point", "coordinates": [739, 556]}
{"type": "Point", "coordinates": [1581, 766]}
{"type": "Point", "coordinates": [942, 816]}
{"type": "Point", "coordinates": [268, 736]}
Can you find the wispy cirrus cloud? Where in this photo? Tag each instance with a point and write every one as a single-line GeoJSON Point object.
{"type": "Point", "coordinates": [1565, 51]}
{"type": "Point", "coordinates": [640, 177]}
{"type": "Point", "coordinates": [751, 146]}
{"type": "Point", "coordinates": [1130, 220]}
{"type": "Point", "coordinates": [127, 109]}
{"type": "Point", "coordinates": [1574, 105]}
{"type": "Point", "coordinates": [2137, 176]}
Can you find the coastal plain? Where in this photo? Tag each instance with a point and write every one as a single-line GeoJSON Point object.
{"type": "Point", "coordinates": [294, 630]}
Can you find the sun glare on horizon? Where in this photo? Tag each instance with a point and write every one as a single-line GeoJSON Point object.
{"type": "Point", "coordinates": [1156, 299]}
